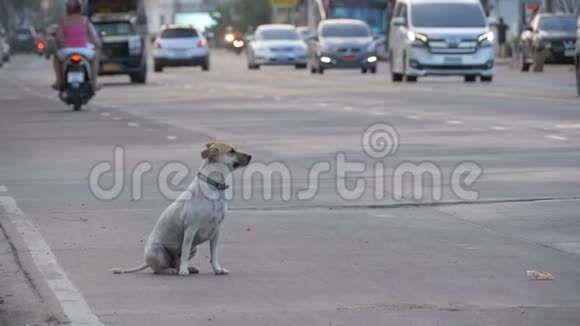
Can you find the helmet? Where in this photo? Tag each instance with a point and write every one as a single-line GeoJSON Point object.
{"type": "Point", "coordinates": [74, 6]}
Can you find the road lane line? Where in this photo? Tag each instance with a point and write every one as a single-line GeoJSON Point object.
{"type": "Point", "coordinates": [377, 113]}
{"type": "Point", "coordinates": [498, 128]}
{"type": "Point", "coordinates": [117, 118]}
{"type": "Point", "coordinates": [568, 126]}
{"type": "Point", "coordinates": [322, 104]}
{"type": "Point", "coordinates": [133, 124]}
{"type": "Point", "coordinates": [348, 108]}
{"type": "Point", "coordinates": [454, 122]}
{"type": "Point", "coordinates": [3, 188]}
{"type": "Point", "coordinates": [105, 114]}
{"type": "Point", "coordinates": [413, 117]}
{"type": "Point", "coordinates": [71, 300]}
{"type": "Point", "coordinates": [556, 137]}
{"type": "Point", "coordinates": [171, 137]}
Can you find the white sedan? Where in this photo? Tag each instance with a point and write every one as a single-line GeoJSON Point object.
{"type": "Point", "coordinates": [276, 45]}
{"type": "Point", "coordinates": [180, 46]}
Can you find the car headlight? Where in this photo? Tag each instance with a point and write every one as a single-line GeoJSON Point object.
{"type": "Point", "coordinates": [417, 39]}
{"type": "Point", "coordinates": [486, 37]}
{"type": "Point", "coordinates": [134, 45]}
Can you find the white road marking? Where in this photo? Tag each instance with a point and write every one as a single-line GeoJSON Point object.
{"type": "Point", "coordinates": [348, 108]}
{"type": "Point", "coordinates": [171, 137]}
{"type": "Point", "coordinates": [133, 124]}
{"type": "Point", "coordinates": [377, 113]}
{"type": "Point", "coordinates": [568, 126]}
{"type": "Point", "coordinates": [71, 300]}
{"type": "Point", "coordinates": [498, 128]}
{"type": "Point", "coordinates": [105, 114]}
{"type": "Point", "coordinates": [3, 188]}
{"type": "Point", "coordinates": [454, 122]}
{"type": "Point", "coordinates": [259, 97]}
{"type": "Point", "coordinates": [322, 104]}
{"type": "Point", "coordinates": [413, 117]}
{"type": "Point", "coordinates": [556, 137]}
{"type": "Point", "coordinates": [117, 118]}
{"type": "Point", "coordinates": [277, 99]}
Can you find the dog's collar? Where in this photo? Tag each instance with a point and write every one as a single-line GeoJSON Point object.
{"type": "Point", "coordinates": [211, 182]}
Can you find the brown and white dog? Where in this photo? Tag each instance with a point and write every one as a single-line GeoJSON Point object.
{"type": "Point", "coordinates": [194, 218]}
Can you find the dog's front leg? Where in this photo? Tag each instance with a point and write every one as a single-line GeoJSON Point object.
{"type": "Point", "coordinates": [215, 264]}
{"type": "Point", "coordinates": [188, 236]}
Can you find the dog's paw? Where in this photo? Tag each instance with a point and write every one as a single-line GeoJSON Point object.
{"type": "Point", "coordinates": [183, 271]}
{"type": "Point", "coordinates": [193, 270]}
{"type": "Point", "coordinates": [222, 271]}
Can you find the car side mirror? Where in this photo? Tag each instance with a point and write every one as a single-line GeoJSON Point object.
{"type": "Point", "coordinates": [313, 38]}
{"type": "Point", "coordinates": [399, 21]}
{"type": "Point", "coordinates": [492, 21]}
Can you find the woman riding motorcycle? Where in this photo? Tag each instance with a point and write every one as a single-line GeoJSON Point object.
{"type": "Point", "coordinates": [76, 35]}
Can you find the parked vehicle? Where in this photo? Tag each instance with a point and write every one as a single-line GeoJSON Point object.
{"type": "Point", "coordinates": [578, 55]}
{"type": "Point", "coordinates": [430, 37]}
{"type": "Point", "coordinates": [277, 45]}
{"type": "Point", "coordinates": [343, 44]}
{"type": "Point", "coordinates": [550, 37]}
{"type": "Point", "coordinates": [180, 46]}
{"type": "Point", "coordinates": [24, 40]}
{"type": "Point", "coordinates": [124, 49]}
{"type": "Point", "coordinates": [77, 89]}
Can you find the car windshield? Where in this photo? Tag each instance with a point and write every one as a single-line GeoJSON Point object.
{"type": "Point", "coordinates": [447, 15]}
{"type": "Point", "coordinates": [345, 30]}
{"type": "Point", "coordinates": [567, 23]}
{"type": "Point", "coordinates": [279, 34]}
{"type": "Point", "coordinates": [24, 32]}
{"type": "Point", "coordinates": [114, 28]}
{"type": "Point", "coordinates": [179, 33]}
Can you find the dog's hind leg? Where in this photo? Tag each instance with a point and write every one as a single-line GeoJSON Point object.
{"type": "Point", "coordinates": [159, 260]}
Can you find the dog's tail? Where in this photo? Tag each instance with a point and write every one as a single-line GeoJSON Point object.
{"type": "Point", "coordinates": [132, 270]}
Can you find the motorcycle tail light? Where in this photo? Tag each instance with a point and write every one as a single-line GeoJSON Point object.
{"type": "Point", "coordinates": [75, 58]}
{"type": "Point", "coordinates": [40, 46]}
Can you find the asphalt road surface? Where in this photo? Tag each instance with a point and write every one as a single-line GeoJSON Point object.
{"type": "Point", "coordinates": [362, 248]}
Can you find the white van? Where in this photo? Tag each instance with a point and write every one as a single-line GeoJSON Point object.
{"type": "Point", "coordinates": [441, 37]}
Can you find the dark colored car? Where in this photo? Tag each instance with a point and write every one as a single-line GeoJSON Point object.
{"type": "Point", "coordinates": [23, 40]}
{"type": "Point", "coordinates": [124, 50]}
{"type": "Point", "coordinates": [578, 55]}
{"type": "Point", "coordinates": [343, 44]}
{"type": "Point", "coordinates": [552, 34]}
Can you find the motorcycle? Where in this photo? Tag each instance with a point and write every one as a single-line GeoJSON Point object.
{"type": "Point", "coordinates": [77, 89]}
{"type": "Point", "coordinates": [235, 42]}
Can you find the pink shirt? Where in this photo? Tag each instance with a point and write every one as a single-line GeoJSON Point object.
{"type": "Point", "coordinates": [75, 35]}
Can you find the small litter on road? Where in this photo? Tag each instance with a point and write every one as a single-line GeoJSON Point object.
{"type": "Point", "coordinates": [539, 276]}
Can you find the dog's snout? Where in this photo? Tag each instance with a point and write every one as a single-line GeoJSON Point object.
{"type": "Point", "coordinates": [249, 157]}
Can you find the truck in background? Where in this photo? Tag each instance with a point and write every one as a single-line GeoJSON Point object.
{"type": "Point", "coordinates": [122, 27]}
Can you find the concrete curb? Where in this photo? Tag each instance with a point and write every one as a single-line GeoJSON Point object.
{"type": "Point", "coordinates": [31, 272]}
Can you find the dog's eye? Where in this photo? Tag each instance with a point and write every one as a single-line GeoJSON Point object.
{"type": "Point", "coordinates": [232, 151]}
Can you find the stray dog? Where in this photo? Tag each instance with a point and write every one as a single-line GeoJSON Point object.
{"type": "Point", "coordinates": [194, 218]}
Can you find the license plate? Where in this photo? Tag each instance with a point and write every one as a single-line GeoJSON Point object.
{"type": "Point", "coordinates": [179, 53]}
{"type": "Point", "coordinates": [111, 67]}
{"type": "Point", "coordinates": [349, 57]}
{"type": "Point", "coordinates": [453, 60]}
{"type": "Point", "coordinates": [570, 53]}
{"type": "Point", "coordinates": [23, 37]}
{"type": "Point", "coordinates": [75, 77]}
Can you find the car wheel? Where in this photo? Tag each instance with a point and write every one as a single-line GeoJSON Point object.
{"type": "Point", "coordinates": [486, 79]}
{"type": "Point", "coordinates": [373, 70]}
{"type": "Point", "coordinates": [158, 67]}
{"type": "Point", "coordinates": [205, 65]}
{"type": "Point", "coordinates": [139, 78]}
{"type": "Point", "coordinates": [313, 69]}
{"type": "Point", "coordinates": [320, 71]}
{"type": "Point", "coordinates": [364, 70]}
{"type": "Point", "coordinates": [411, 79]}
{"type": "Point", "coordinates": [578, 75]}
{"type": "Point", "coordinates": [469, 79]}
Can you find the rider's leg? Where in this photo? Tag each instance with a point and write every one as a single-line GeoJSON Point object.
{"type": "Point", "coordinates": [95, 70]}
{"type": "Point", "coordinates": [57, 65]}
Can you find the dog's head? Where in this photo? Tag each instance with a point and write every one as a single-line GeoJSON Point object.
{"type": "Point", "coordinates": [226, 155]}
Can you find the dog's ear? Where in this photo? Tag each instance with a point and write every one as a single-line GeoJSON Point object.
{"type": "Point", "coordinates": [210, 153]}
{"type": "Point", "coordinates": [209, 145]}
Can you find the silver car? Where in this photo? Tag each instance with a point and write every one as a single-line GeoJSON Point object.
{"type": "Point", "coordinates": [276, 45]}
{"type": "Point", "coordinates": [344, 44]}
